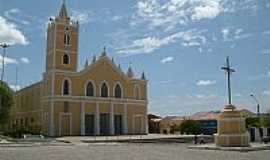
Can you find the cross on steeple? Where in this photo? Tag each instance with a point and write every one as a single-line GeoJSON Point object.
{"type": "Point", "coordinates": [229, 71]}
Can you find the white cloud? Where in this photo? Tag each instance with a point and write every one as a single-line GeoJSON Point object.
{"type": "Point", "coordinates": [210, 9]}
{"type": "Point", "coordinates": [7, 61]}
{"type": "Point", "coordinates": [232, 33]}
{"type": "Point", "coordinates": [267, 32]}
{"type": "Point", "coordinates": [238, 95]}
{"type": "Point", "coordinates": [25, 60]}
{"type": "Point", "coordinates": [10, 34]}
{"type": "Point", "coordinates": [206, 96]}
{"type": "Point", "coordinates": [167, 59]}
{"type": "Point", "coordinates": [162, 82]}
{"type": "Point", "coordinates": [17, 16]}
{"type": "Point", "coordinates": [265, 51]}
{"type": "Point", "coordinates": [83, 16]}
{"type": "Point", "coordinates": [205, 82]}
{"type": "Point", "coordinates": [149, 44]}
{"type": "Point", "coordinates": [15, 87]}
{"type": "Point", "coordinates": [169, 14]}
{"type": "Point", "coordinates": [266, 93]}
{"type": "Point", "coordinates": [116, 18]}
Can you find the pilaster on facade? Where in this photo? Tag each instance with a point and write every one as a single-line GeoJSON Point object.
{"type": "Point", "coordinates": [97, 127]}
{"type": "Point", "coordinates": [82, 118]}
{"type": "Point", "coordinates": [125, 119]}
{"type": "Point", "coordinates": [112, 118]}
{"type": "Point", "coordinates": [51, 120]}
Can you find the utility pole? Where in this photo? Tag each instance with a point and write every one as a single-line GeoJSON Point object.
{"type": "Point", "coordinates": [4, 46]}
{"type": "Point", "coordinates": [258, 104]}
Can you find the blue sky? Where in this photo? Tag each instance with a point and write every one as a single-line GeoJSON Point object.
{"type": "Point", "coordinates": [180, 44]}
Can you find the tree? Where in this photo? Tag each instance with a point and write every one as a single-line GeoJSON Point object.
{"type": "Point", "coordinates": [6, 102]}
{"type": "Point", "coordinates": [266, 121]}
{"type": "Point", "coordinates": [190, 127]}
{"type": "Point", "coordinates": [253, 122]}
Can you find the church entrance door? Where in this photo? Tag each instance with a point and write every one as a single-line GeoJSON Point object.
{"type": "Point", "coordinates": [118, 124]}
{"type": "Point", "coordinates": [104, 124]}
{"type": "Point", "coordinates": [89, 124]}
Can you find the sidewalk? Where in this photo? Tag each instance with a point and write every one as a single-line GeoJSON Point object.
{"type": "Point", "coordinates": [252, 147]}
{"type": "Point", "coordinates": [151, 138]}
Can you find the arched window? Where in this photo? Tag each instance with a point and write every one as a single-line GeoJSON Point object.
{"type": "Point", "coordinates": [66, 88]}
{"type": "Point", "coordinates": [67, 39]}
{"type": "Point", "coordinates": [136, 92]}
{"type": "Point", "coordinates": [104, 90]}
{"type": "Point", "coordinates": [117, 91]}
{"type": "Point", "coordinates": [66, 59]}
{"type": "Point", "coordinates": [89, 89]}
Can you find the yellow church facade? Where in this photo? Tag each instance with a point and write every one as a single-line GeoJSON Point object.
{"type": "Point", "coordinates": [100, 99]}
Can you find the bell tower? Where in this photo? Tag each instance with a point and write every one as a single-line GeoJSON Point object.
{"type": "Point", "coordinates": [62, 42]}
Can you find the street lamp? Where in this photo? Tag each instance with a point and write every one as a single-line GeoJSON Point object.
{"type": "Point", "coordinates": [4, 46]}
{"type": "Point", "coordinates": [258, 104]}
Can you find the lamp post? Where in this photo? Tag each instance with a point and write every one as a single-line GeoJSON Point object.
{"type": "Point", "coordinates": [4, 46]}
{"type": "Point", "coordinates": [258, 104]}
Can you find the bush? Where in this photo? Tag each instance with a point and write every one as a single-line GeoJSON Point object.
{"type": "Point", "coordinates": [266, 121]}
{"type": "Point", "coordinates": [253, 122]}
{"type": "Point", "coordinates": [190, 127]}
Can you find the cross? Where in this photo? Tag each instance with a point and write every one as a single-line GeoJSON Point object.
{"type": "Point", "coordinates": [229, 71]}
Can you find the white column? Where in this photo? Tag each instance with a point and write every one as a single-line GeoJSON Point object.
{"type": "Point", "coordinates": [51, 122]}
{"type": "Point", "coordinates": [112, 119]}
{"type": "Point", "coordinates": [125, 119]}
{"type": "Point", "coordinates": [97, 129]}
{"type": "Point", "coordinates": [146, 119]}
{"type": "Point", "coordinates": [82, 118]}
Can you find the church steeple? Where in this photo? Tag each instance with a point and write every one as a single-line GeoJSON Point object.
{"type": "Point", "coordinates": [62, 39]}
{"type": "Point", "coordinates": [104, 53]}
{"type": "Point", "coordinates": [63, 14]}
{"type": "Point", "coordinates": [86, 63]}
{"type": "Point", "coordinates": [130, 72]}
{"type": "Point", "coordinates": [143, 76]}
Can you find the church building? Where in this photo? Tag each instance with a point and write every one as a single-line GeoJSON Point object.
{"type": "Point", "coordinates": [100, 99]}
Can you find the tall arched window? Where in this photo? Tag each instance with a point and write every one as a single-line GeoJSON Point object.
{"type": "Point", "coordinates": [66, 59]}
{"type": "Point", "coordinates": [67, 39]}
{"type": "Point", "coordinates": [66, 89]}
{"type": "Point", "coordinates": [136, 92]}
{"type": "Point", "coordinates": [104, 90]}
{"type": "Point", "coordinates": [117, 91]}
{"type": "Point", "coordinates": [89, 89]}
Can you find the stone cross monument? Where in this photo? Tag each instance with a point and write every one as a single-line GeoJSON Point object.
{"type": "Point", "coordinates": [231, 125]}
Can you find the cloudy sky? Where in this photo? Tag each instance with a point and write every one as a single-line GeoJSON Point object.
{"type": "Point", "coordinates": [180, 44]}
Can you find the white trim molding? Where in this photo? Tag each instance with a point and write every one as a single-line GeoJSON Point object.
{"type": "Point", "coordinates": [108, 87]}
{"type": "Point", "coordinates": [82, 118]}
{"type": "Point", "coordinates": [94, 87]}
{"type": "Point", "coordinates": [69, 86]}
{"type": "Point", "coordinates": [121, 87]}
{"type": "Point", "coordinates": [66, 54]}
{"type": "Point", "coordinates": [136, 86]}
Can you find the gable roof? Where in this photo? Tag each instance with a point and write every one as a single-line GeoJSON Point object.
{"type": "Point", "coordinates": [109, 62]}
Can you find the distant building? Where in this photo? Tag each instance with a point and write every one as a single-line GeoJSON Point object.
{"type": "Point", "coordinates": [208, 120]}
{"type": "Point", "coordinates": [154, 123]}
{"type": "Point", "coordinates": [169, 123]}
{"type": "Point", "coordinates": [98, 100]}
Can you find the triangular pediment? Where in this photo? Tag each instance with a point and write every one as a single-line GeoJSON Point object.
{"type": "Point", "coordinates": [104, 64]}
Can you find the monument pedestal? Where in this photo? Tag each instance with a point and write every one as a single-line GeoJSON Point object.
{"type": "Point", "coordinates": [231, 129]}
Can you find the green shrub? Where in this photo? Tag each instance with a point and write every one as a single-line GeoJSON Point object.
{"type": "Point", "coordinates": [190, 127]}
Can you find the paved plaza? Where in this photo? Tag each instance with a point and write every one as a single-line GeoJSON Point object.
{"type": "Point", "coordinates": [127, 151]}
